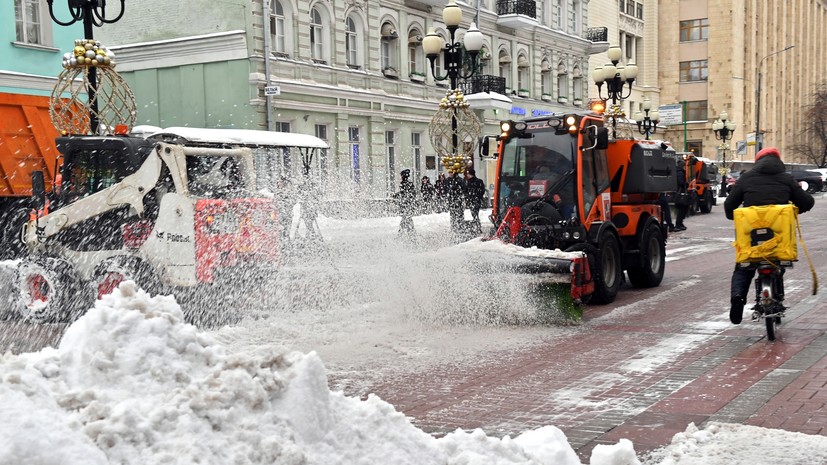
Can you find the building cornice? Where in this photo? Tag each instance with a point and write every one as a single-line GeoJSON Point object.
{"type": "Point", "coordinates": [209, 48]}
{"type": "Point", "coordinates": [27, 81]}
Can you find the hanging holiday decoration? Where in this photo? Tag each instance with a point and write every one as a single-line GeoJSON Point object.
{"type": "Point", "coordinates": [90, 96]}
{"type": "Point", "coordinates": [454, 132]}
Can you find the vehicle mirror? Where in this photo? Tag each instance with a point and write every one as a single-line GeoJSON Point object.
{"type": "Point", "coordinates": [484, 150]}
{"type": "Point", "coordinates": [38, 190]}
{"type": "Point", "coordinates": [602, 138]}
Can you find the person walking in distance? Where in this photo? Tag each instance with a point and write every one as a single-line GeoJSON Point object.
{"type": "Point", "coordinates": [767, 183]}
{"type": "Point", "coordinates": [455, 197]}
{"type": "Point", "coordinates": [426, 193]}
{"type": "Point", "coordinates": [406, 198]}
{"type": "Point", "coordinates": [681, 196]}
{"type": "Point", "coordinates": [474, 193]}
{"type": "Point", "coordinates": [440, 189]}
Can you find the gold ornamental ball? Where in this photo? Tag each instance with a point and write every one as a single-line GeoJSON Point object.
{"type": "Point", "coordinates": [79, 50]}
{"type": "Point", "coordinates": [457, 166]}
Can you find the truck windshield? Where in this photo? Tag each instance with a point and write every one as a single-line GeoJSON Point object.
{"type": "Point", "coordinates": [533, 165]}
{"type": "Point", "coordinates": [86, 172]}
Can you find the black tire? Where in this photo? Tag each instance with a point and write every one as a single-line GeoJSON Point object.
{"type": "Point", "coordinates": [609, 274]}
{"type": "Point", "coordinates": [47, 290]}
{"type": "Point", "coordinates": [770, 323]}
{"type": "Point", "coordinates": [706, 205]}
{"type": "Point", "coordinates": [112, 271]}
{"type": "Point", "coordinates": [652, 259]}
{"type": "Point", "coordinates": [12, 218]}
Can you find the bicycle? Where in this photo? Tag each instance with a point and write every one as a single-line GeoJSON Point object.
{"type": "Point", "coordinates": [769, 294]}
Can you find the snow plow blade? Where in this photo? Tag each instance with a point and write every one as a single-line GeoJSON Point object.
{"type": "Point", "coordinates": [542, 266]}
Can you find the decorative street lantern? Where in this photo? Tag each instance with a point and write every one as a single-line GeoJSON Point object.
{"type": "Point", "coordinates": [723, 132]}
{"type": "Point", "coordinates": [454, 112]}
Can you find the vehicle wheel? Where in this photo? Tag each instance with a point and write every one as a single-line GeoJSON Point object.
{"type": "Point", "coordinates": [652, 259]}
{"type": "Point", "coordinates": [113, 271]}
{"type": "Point", "coordinates": [610, 271]}
{"type": "Point", "coordinates": [706, 205]}
{"type": "Point", "coordinates": [771, 323]}
{"type": "Point", "coordinates": [12, 220]}
{"type": "Point", "coordinates": [811, 188]}
{"type": "Point", "coordinates": [47, 290]}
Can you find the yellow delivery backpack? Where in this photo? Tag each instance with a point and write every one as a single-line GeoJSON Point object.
{"type": "Point", "coordinates": [765, 233]}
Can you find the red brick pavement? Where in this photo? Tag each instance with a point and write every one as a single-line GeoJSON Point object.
{"type": "Point", "coordinates": [583, 384]}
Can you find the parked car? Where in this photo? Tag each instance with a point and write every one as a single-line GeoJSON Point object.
{"type": "Point", "coordinates": [731, 178]}
{"type": "Point", "coordinates": [823, 172]}
{"type": "Point", "coordinates": [811, 181]}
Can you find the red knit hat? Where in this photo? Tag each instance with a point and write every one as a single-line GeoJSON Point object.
{"type": "Point", "coordinates": [768, 151]}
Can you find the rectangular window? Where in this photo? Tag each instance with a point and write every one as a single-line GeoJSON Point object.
{"type": "Point", "coordinates": [28, 22]}
{"type": "Point", "coordinates": [416, 151]}
{"type": "Point", "coordinates": [694, 29]}
{"type": "Point", "coordinates": [413, 66]}
{"type": "Point", "coordinates": [630, 8]}
{"type": "Point", "coordinates": [353, 141]}
{"type": "Point", "coordinates": [696, 147]}
{"type": "Point", "coordinates": [390, 149]}
{"type": "Point", "coordinates": [321, 133]}
{"type": "Point", "coordinates": [696, 70]}
{"type": "Point", "coordinates": [696, 110]}
{"type": "Point", "coordinates": [630, 47]}
{"type": "Point", "coordinates": [622, 5]}
{"type": "Point", "coordinates": [639, 13]}
{"type": "Point", "coordinates": [286, 159]}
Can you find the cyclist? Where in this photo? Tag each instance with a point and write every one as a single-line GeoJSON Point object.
{"type": "Point", "coordinates": [767, 183]}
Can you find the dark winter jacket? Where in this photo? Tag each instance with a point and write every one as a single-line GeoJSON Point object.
{"type": "Point", "coordinates": [767, 183]}
{"type": "Point", "coordinates": [681, 176]}
{"type": "Point", "coordinates": [406, 197]}
{"type": "Point", "coordinates": [474, 192]}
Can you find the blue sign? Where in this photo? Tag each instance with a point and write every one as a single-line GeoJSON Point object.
{"type": "Point", "coordinates": [517, 111]}
{"type": "Point", "coordinates": [356, 172]}
{"type": "Point", "coordinates": [540, 112]}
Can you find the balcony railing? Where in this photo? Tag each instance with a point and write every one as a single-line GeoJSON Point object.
{"type": "Point", "coordinates": [517, 7]}
{"type": "Point", "coordinates": [483, 83]}
{"type": "Point", "coordinates": [597, 34]}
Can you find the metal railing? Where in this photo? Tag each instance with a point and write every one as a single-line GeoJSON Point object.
{"type": "Point", "coordinates": [517, 7]}
{"type": "Point", "coordinates": [483, 83]}
{"type": "Point", "coordinates": [597, 34]}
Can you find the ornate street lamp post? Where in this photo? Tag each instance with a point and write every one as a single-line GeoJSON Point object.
{"type": "Point", "coordinates": [464, 124]}
{"type": "Point", "coordinates": [759, 141]}
{"type": "Point", "coordinates": [723, 132]}
{"type": "Point", "coordinates": [647, 124]}
{"type": "Point", "coordinates": [616, 78]}
{"type": "Point", "coordinates": [92, 13]}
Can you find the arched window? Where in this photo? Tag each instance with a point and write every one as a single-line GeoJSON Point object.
{"type": "Point", "coordinates": [416, 59]}
{"type": "Point", "coordinates": [354, 48]}
{"type": "Point", "coordinates": [577, 83]}
{"type": "Point", "coordinates": [318, 36]}
{"type": "Point", "coordinates": [562, 81]}
{"type": "Point", "coordinates": [280, 29]}
{"type": "Point", "coordinates": [388, 47]}
{"type": "Point", "coordinates": [545, 79]}
{"type": "Point", "coordinates": [505, 67]}
{"type": "Point", "coordinates": [523, 79]}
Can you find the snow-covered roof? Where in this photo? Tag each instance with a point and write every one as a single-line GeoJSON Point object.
{"type": "Point", "coordinates": [246, 137]}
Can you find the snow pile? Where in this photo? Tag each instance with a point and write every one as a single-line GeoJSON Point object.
{"type": "Point", "coordinates": [131, 383]}
{"type": "Point", "coordinates": [731, 444]}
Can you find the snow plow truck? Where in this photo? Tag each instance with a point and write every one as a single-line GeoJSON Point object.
{"type": "Point", "coordinates": [563, 185]}
{"type": "Point", "coordinates": [177, 212]}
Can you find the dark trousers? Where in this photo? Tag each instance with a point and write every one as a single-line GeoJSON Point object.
{"type": "Point", "coordinates": [665, 210]}
{"type": "Point", "coordinates": [682, 211]}
{"type": "Point", "coordinates": [742, 276]}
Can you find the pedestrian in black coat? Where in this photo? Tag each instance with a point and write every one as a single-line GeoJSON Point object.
{"type": "Point", "coordinates": [474, 194]}
{"type": "Point", "coordinates": [406, 197]}
{"type": "Point", "coordinates": [767, 183]}
{"type": "Point", "coordinates": [440, 189]}
{"type": "Point", "coordinates": [427, 193]}
{"type": "Point", "coordinates": [455, 198]}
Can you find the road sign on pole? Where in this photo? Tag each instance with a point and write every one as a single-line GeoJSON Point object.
{"type": "Point", "coordinates": [671, 114]}
{"type": "Point", "coordinates": [272, 90]}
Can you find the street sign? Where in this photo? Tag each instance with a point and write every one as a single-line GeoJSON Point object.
{"type": "Point", "coordinates": [671, 114]}
{"type": "Point", "coordinates": [272, 90]}
{"type": "Point", "coordinates": [751, 138]}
